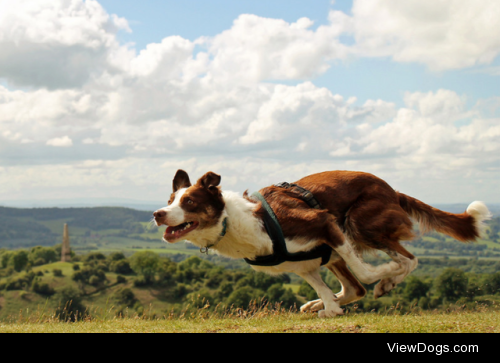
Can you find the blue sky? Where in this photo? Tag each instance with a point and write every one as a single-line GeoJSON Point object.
{"type": "Point", "coordinates": [107, 99]}
{"type": "Point", "coordinates": [152, 21]}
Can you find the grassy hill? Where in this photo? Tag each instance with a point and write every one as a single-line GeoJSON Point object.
{"type": "Point", "coordinates": [155, 286]}
{"type": "Point", "coordinates": [24, 311]}
{"type": "Point", "coordinates": [96, 300]}
{"type": "Point", "coordinates": [146, 284]}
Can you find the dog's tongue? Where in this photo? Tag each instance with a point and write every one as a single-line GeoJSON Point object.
{"type": "Point", "coordinates": [175, 229]}
{"type": "Point", "coordinates": [175, 232]}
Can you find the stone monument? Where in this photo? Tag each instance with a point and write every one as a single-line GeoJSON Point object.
{"type": "Point", "coordinates": [65, 251]}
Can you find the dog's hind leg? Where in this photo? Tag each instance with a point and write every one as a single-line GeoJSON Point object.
{"type": "Point", "coordinates": [373, 223]}
{"type": "Point", "coordinates": [405, 259]}
{"type": "Point", "coordinates": [331, 308]}
{"type": "Point", "coordinates": [366, 273]}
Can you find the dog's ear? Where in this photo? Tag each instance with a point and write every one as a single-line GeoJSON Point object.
{"type": "Point", "coordinates": [181, 180]}
{"type": "Point", "coordinates": [210, 180]}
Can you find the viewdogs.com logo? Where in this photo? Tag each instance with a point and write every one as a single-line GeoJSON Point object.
{"type": "Point", "coordinates": [430, 348]}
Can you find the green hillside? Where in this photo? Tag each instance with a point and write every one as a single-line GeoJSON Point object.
{"type": "Point", "coordinates": [98, 286]}
{"type": "Point", "coordinates": [144, 283]}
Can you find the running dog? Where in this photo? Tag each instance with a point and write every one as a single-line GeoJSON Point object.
{"type": "Point", "coordinates": [358, 212]}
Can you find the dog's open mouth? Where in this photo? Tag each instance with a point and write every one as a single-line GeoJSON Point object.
{"type": "Point", "coordinates": [173, 233]}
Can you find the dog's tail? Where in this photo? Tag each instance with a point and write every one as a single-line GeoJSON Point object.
{"type": "Point", "coordinates": [465, 227]}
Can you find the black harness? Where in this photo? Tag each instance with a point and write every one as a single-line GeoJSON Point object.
{"type": "Point", "coordinates": [280, 253]}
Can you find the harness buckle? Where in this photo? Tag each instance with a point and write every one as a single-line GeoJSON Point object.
{"type": "Point", "coordinates": [283, 185]}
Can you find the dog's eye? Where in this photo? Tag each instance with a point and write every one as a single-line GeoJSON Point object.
{"type": "Point", "coordinates": [189, 201]}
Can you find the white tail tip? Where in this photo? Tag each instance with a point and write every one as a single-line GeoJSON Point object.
{"type": "Point", "coordinates": [480, 212]}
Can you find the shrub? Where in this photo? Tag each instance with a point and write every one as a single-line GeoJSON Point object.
{"type": "Point", "coordinates": [141, 282]}
{"type": "Point", "coordinates": [180, 291]}
{"type": "Point", "coordinates": [415, 288]}
{"type": "Point", "coordinates": [125, 297]}
{"type": "Point", "coordinates": [42, 288]}
{"type": "Point", "coordinates": [278, 294]}
{"type": "Point", "coordinates": [42, 255]}
{"type": "Point", "coordinates": [39, 262]}
{"type": "Point", "coordinates": [19, 282]}
{"type": "Point", "coordinates": [116, 256]}
{"type": "Point", "coordinates": [70, 307]}
{"type": "Point", "coordinates": [95, 280]}
{"type": "Point", "coordinates": [243, 296]}
{"type": "Point", "coordinates": [121, 267]}
{"type": "Point", "coordinates": [451, 285]}
{"type": "Point", "coordinates": [146, 264]}
{"type": "Point", "coordinates": [307, 291]}
{"type": "Point", "coordinates": [94, 256]}
{"type": "Point", "coordinates": [18, 260]}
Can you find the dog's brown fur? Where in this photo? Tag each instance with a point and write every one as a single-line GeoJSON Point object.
{"type": "Point", "coordinates": [363, 207]}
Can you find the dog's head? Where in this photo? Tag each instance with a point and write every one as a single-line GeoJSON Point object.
{"type": "Point", "coordinates": [193, 210]}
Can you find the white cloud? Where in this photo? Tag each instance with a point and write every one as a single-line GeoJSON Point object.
{"type": "Point", "coordinates": [257, 48]}
{"type": "Point", "coordinates": [36, 116]}
{"type": "Point", "coordinates": [443, 35]}
{"type": "Point", "coordinates": [64, 141]}
{"type": "Point", "coordinates": [427, 135]}
{"type": "Point", "coordinates": [57, 43]}
{"type": "Point", "coordinates": [445, 104]}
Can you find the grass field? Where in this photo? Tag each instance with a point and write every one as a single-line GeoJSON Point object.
{"type": "Point", "coordinates": [265, 320]}
{"type": "Point", "coordinates": [488, 322]}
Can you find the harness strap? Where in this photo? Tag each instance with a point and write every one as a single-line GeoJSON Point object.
{"type": "Point", "coordinates": [280, 253]}
{"type": "Point", "coordinates": [305, 194]}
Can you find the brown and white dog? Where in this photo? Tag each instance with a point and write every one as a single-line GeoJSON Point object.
{"type": "Point", "coordinates": [360, 212]}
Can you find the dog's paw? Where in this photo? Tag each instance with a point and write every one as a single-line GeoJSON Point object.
{"type": "Point", "coordinates": [330, 313]}
{"type": "Point", "coordinates": [318, 306]}
{"type": "Point", "coordinates": [383, 287]}
{"type": "Point", "coordinates": [314, 306]}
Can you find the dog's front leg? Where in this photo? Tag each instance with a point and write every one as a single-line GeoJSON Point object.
{"type": "Point", "coordinates": [331, 308]}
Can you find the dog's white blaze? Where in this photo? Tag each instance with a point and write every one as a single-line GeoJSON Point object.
{"type": "Point", "coordinates": [175, 214]}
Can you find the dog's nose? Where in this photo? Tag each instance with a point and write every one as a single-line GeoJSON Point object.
{"type": "Point", "coordinates": [159, 214]}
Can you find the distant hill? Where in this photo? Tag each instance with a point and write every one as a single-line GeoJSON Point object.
{"type": "Point", "coordinates": [109, 229]}
{"type": "Point", "coordinates": [151, 206]}
{"type": "Point", "coordinates": [86, 203]}
{"type": "Point", "coordinates": [43, 226]}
